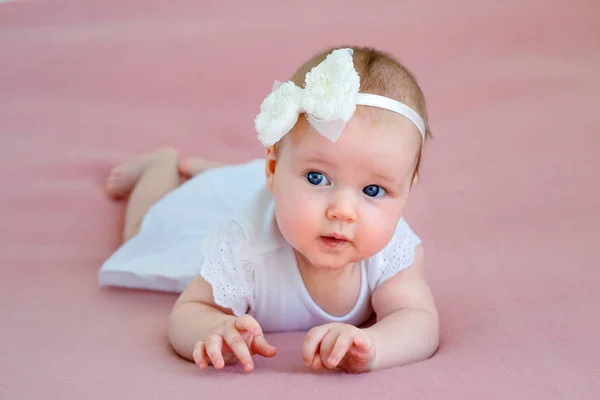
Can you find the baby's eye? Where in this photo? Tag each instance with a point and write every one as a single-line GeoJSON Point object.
{"type": "Point", "coordinates": [374, 191]}
{"type": "Point", "coordinates": [316, 178]}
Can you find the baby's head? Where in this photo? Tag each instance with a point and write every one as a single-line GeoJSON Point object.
{"type": "Point", "coordinates": [338, 200]}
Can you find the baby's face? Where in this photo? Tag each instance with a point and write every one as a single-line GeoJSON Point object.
{"type": "Point", "coordinates": [338, 203]}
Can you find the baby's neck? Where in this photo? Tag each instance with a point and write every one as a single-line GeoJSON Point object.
{"type": "Point", "coordinates": [335, 291]}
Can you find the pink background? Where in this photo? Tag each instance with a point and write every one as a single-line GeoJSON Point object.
{"type": "Point", "coordinates": [507, 205]}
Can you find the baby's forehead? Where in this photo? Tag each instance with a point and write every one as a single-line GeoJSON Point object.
{"type": "Point", "coordinates": [381, 143]}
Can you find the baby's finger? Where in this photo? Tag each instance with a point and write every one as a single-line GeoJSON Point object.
{"type": "Point", "coordinates": [317, 364]}
{"type": "Point", "coordinates": [214, 350]}
{"type": "Point", "coordinates": [248, 323]}
{"type": "Point", "coordinates": [362, 344]}
{"type": "Point", "coordinates": [199, 355]}
{"type": "Point", "coordinates": [238, 346]}
{"type": "Point", "coordinates": [262, 347]}
{"type": "Point", "coordinates": [326, 347]}
{"type": "Point", "coordinates": [342, 344]}
{"type": "Point", "coordinates": [311, 343]}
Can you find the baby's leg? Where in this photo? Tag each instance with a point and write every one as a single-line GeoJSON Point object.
{"type": "Point", "coordinates": [146, 179]}
{"type": "Point", "coordinates": [192, 166]}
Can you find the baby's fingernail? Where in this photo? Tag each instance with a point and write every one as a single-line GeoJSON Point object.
{"type": "Point", "coordinates": [257, 332]}
{"type": "Point", "coordinates": [333, 360]}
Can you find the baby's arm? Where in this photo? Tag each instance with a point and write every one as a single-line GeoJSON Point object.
{"type": "Point", "coordinates": [194, 315]}
{"type": "Point", "coordinates": [203, 332]}
{"type": "Point", "coordinates": [407, 329]}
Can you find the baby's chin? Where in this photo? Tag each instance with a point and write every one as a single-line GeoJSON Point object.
{"type": "Point", "coordinates": [329, 262]}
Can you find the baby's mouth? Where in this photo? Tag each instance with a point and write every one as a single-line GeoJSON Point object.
{"type": "Point", "coordinates": [334, 241]}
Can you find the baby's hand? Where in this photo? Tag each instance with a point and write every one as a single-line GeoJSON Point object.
{"type": "Point", "coordinates": [234, 339]}
{"type": "Point", "coordinates": [338, 345]}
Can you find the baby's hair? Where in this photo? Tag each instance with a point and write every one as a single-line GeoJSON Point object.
{"type": "Point", "coordinates": [380, 73]}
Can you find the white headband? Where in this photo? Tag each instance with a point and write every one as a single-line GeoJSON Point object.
{"type": "Point", "coordinates": [329, 100]}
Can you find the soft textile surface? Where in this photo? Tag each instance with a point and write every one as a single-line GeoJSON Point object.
{"type": "Point", "coordinates": [507, 203]}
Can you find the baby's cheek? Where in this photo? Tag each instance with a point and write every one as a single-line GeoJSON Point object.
{"type": "Point", "coordinates": [293, 217]}
{"type": "Point", "coordinates": [302, 212]}
{"type": "Point", "coordinates": [376, 234]}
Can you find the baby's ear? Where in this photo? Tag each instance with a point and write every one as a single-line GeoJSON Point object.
{"type": "Point", "coordinates": [415, 179]}
{"type": "Point", "coordinates": [270, 165]}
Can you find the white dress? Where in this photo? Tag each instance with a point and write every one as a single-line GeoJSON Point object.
{"type": "Point", "coordinates": [221, 225]}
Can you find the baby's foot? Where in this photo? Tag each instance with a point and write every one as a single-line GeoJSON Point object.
{"type": "Point", "coordinates": [123, 177]}
{"type": "Point", "coordinates": [194, 165]}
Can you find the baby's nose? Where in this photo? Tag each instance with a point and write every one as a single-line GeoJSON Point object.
{"type": "Point", "coordinates": [343, 207]}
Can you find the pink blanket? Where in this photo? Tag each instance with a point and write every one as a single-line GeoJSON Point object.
{"type": "Point", "coordinates": [507, 204]}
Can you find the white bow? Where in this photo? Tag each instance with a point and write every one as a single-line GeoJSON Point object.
{"type": "Point", "coordinates": [329, 100]}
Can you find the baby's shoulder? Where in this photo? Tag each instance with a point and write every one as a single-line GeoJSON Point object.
{"type": "Point", "coordinates": [403, 238]}
{"type": "Point", "coordinates": [397, 255]}
{"type": "Point", "coordinates": [241, 251]}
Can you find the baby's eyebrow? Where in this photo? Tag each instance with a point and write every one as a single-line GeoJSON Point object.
{"type": "Point", "coordinates": [390, 180]}
{"type": "Point", "coordinates": [316, 160]}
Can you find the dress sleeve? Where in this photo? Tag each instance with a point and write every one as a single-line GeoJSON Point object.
{"type": "Point", "coordinates": [224, 268]}
{"type": "Point", "coordinates": [396, 256]}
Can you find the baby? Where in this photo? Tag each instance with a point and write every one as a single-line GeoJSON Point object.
{"type": "Point", "coordinates": [310, 239]}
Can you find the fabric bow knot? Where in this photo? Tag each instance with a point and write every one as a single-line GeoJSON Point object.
{"type": "Point", "coordinates": [328, 99]}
